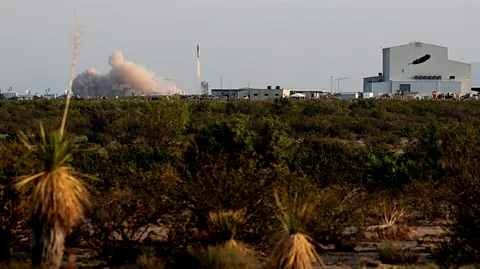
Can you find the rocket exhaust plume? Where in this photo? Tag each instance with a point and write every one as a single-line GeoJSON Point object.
{"type": "Point", "coordinates": [125, 78]}
{"type": "Point", "coordinates": [198, 68]}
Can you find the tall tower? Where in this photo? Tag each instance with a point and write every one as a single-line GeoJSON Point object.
{"type": "Point", "coordinates": [205, 89]}
{"type": "Point", "coordinates": [199, 86]}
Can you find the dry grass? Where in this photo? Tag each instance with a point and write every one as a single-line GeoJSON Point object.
{"type": "Point", "coordinates": [396, 233]}
{"type": "Point", "coordinates": [227, 220]}
{"type": "Point", "coordinates": [294, 249]}
{"type": "Point", "coordinates": [221, 257]}
{"type": "Point", "coordinates": [226, 223]}
{"type": "Point", "coordinates": [146, 262]}
{"type": "Point", "coordinates": [392, 211]}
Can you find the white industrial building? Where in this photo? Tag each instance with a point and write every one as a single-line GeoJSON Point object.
{"type": "Point", "coordinates": [419, 67]}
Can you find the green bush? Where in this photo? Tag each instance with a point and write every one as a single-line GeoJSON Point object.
{"type": "Point", "coordinates": [180, 160]}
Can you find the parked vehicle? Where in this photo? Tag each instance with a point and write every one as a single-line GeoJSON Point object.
{"type": "Point", "coordinates": [470, 96]}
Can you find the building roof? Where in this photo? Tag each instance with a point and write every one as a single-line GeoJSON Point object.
{"type": "Point", "coordinates": [225, 90]}
{"type": "Point", "coordinates": [412, 43]}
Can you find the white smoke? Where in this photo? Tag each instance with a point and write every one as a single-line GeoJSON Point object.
{"type": "Point", "coordinates": [125, 78]}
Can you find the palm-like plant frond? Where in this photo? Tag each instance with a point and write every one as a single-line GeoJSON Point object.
{"type": "Point", "coordinates": [57, 194]}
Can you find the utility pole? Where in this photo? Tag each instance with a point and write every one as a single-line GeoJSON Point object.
{"type": "Point", "coordinates": [171, 86]}
{"type": "Point", "coordinates": [156, 88]}
{"type": "Point", "coordinates": [331, 84]}
{"type": "Point", "coordinates": [221, 82]}
{"type": "Point", "coordinates": [339, 79]}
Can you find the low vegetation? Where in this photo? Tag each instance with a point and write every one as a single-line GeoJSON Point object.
{"type": "Point", "coordinates": [395, 255]}
{"type": "Point", "coordinates": [195, 180]}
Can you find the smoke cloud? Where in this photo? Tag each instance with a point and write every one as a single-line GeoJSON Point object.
{"type": "Point", "coordinates": [125, 78]}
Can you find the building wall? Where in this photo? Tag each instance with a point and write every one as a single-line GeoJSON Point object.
{"type": "Point", "coordinates": [224, 92]}
{"type": "Point", "coordinates": [397, 69]}
{"type": "Point", "coordinates": [348, 95]}
{"type": "Point", "coordinates": [427, 86]}
{"type": "Point", "coordinates": [401, 57]}
{"type": "Point", "coordinates": [255, 95]}
{"type": "Point", "coordinates": [367, 82]}
{"type": "Point", "coordinates": [243, 93]}
{"type": "Point", "coordinates": [386, 63]}
{"type": "Point", "coordinates": [266, 94]}
{"type": "Point", "coordinates": [437, 65]}
{"type": "Point", "coordinates": [381, 87]}
{"type": "Point", "coordinates": [309, 93]}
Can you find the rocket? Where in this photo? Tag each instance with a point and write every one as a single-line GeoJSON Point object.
{"type": "Point", "coordinates": [198, 51]}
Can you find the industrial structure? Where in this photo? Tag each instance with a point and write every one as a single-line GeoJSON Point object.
{"type": "Point", "coordinates": [262, 94]}
{"type": "Point", "coordinates": [419, 67]}
{"type": "Point", "coordinates": [268, 93]}
{"type": "Point", "coordinates": [205, 88]}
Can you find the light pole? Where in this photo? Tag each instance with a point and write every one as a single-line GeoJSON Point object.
{"type": "Point", "coordinates": [157, 84]}
{"type": "Point", "coordinates": [168, 83]}
{"type": "Point", "coordinates": [171, 86]}
{"type": "Point", "coordinates": [331, 84]}
{"type": "Point", "coordinates": [338, 81]}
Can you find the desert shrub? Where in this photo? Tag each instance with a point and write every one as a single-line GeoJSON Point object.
{"type": "Point", "coordinates": [282, 105]}
{"type": "Point", "coordinates": [220, 173]}
{"type": "Point", "coordinates": [391, 215]}
{"type": "Point", "coordinates": [464, 233]}
{"type": "Point", "coordinates": [431, 200]}
{"type": "Point", "coordinates": [223, 258]}
{"type": "Point", "coordinates": [327, 161]}
{"type": "Point", "coordinates": [10, 217]}
{"type": "Point", "coordinates": [13, 161]}
{"type": "Point", "coordinates": [464, 245]}
{"type": "Point", "coordinates": [224, 225]}
{"type": "Point", "coordinates": [118, 223]}
{"type": "Point", "coordinates": [211, 156]}
{"type": "Point", "coordinates": [394, 255]}
{"type": "Point", "coordinates": [17, 265]}
{"type": "Point", "coordinates": [148, 259]}
{"type": "Point", "coordinates": [384, 170]}
{"type": "Point", "coordinates": [338, 210]}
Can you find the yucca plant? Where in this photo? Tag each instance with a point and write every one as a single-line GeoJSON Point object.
{"type": "Point", "coordinates": [294, 249]}
{"type": "Point", "coordinates": [225, 224]}
{"type": "Point", "coordinates": [57, 194]}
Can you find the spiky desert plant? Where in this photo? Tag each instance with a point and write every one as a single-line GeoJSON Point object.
{"type": "Point", "coordinates": [57, 195]}
{"type": "Point", "coordinates": [226, 223]}
{"type": "Point", "coordinates": [392, 210]}
{"type": "Point", "coordinates": [294, 249]}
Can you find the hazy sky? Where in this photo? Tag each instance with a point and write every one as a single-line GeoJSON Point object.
{"type": "Point", "coordinates": [292, 43]}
